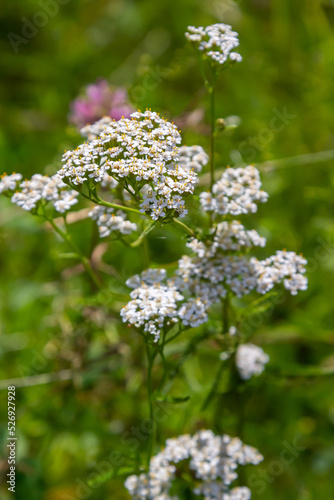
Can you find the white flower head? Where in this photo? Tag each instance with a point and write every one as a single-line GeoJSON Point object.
{"type": "Point", "coordinates": [92, 131]}
{"type": "Point", "coordinates": [192, 158]}
{"type": "Point", "coordinates": [237, 192]}
{"type": "Point", "coordinates": [107, 221]}
{"type": "Point", "coordinates": [250, 360]}
{"type": "Point", "coordinates": [141, 152]}
{"type": "Point", "coordinates": [217, 268]}
{"type": "Point", "coordinates": [217, 42]}
{"type": "Point", "coordinates": [50, 189]}
{"type": "Point", "coordinates": [157, 302]}
{"type": "Point", "coordinates": [9, 182]}
{"type": "Point", "coordinates": [212, 459]}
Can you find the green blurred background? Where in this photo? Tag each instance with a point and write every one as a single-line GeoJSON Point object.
{"type": "Point", "coordinates": [67, 429]}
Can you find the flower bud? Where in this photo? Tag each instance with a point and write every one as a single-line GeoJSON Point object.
{"type": "Point", "coordinates": [220, 124]}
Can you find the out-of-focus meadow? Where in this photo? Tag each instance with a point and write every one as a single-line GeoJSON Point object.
{"type": "Point", "coordinates": [50, 320]}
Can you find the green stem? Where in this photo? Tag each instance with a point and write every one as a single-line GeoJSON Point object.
{"type": "Point", "coordinates": [143, 234]}
{"type": "Point", "coordinates": [185, 228]}
{"type": "Point", "coordinates": [240, 411]}
{"type": "Point", "coordinates": [212, 139]}
{"type": "Point", "coordinates": [225, 315]}
{"type": "Point", "coordinates": [190, 349]}
{"type": "Point", "coordinates": [295, 161]}
{"type": "Point", "coordinates": [118, 207]}
{"type": "Point", "coordinates": [202, 70]}
{"type": "Point", "coordinates": [163, 359]}
{"type": "Point", "coordinates": [136, 198]}
{"type": "Point", "coordinates": [175, 335]}
{"type": "Point", "coordinates": [146, 254]}
{"type": "Point", "coordinates": [292, 161]}
{"type": "Point", "coordinates": [211, 87]}
{"type": "Point", "coordinates": [104, 203]}
{"type": "Point", "coordinates": [215, 385]}
{"type": "Point", "coordinates": [66, 237]}
{"type": "Point", "coordinates": [150, 393]}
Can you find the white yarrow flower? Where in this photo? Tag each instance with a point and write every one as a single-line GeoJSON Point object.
{"type": "Point", "coordinates": [107, 221]}
{"type": "Point", "coordinates": [218, 42]}
{"type": "Point", "coordinates": [9, 182]}
{"type": "Point", "coordinates": [250, 360]}
{"type": "Point", "coordinates": [157, 303]}
{"type": "Point", "coordinates": [142, 152]}
{"type": "Point", "coordinates": [192, 158]}
{"type": "Point", "coordinates": [212, 459]}
{"type": "Point", "coordinates": [50, 189]}
{"type": "Point", "coordinates": [237, 192]}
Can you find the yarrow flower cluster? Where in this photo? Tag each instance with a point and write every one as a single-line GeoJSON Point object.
{"type": "Point", "coordinates": [156, 303]}
{"type": "Point", "coordinates": [92, 131]}
{"type": "Point", "coordinates": [219, 266]}
{"type": "Point", "coordinates": [31, 192]}
{"type": "Point", "coordinates": [231, 236]}
{"type": "Point", "coordinates": [237, 192]}
{"type": "Point", "coordinates": [210, 277]}
{"type": "Point", "coordinates": [192, 158]}
{"type": "Point", "coordinates": [139, 153]}
{"type": "Point", "coordinates": [250, 360]}
{"type": "Point", "coordinates": [100, 99]}
{"type": "Point", "coordinates": [286, 267]}
{"type": "Point", "coordinates": [218, 42]}
{"type": "Point", "coordinates": [212, 461]}
{"type": "Point", "coordinates": [107, 221]}
{"type": "Point", "coordinates": [9, 182]}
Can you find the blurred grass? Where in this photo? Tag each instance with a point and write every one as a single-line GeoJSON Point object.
{"type": "Point", "coordinates": [66, 428]}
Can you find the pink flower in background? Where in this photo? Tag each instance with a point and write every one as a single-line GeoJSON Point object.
{"type": "Point", "coordinates": [101, 99]}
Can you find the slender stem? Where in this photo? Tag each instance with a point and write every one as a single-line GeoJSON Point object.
{"type": "Point", "coordinates": [225, 314]}
{"type": "Point", "coordinates": [212, 139]}
{"type": "Point", "coordinates": [202, 70]}
{"type": "Point", "coordinates": [292, 161]}
{"type": "Point", "coordinates": [66, 237]}
{"type": "Point", "coordinates": [104, 203]}
{"type": "Point", "coordinates": [118, 207]}
{"type": "Point", "coordinates": [225, 321]}
{"type": "Point", "coordinates": [163, 359]}
{"type": "Point", "coordinates": [43, 378]}
{"type": "Point", "coordinates": [211, 87]}
{"type": "Point", "coordinates": [175, 335]}
{"type": "Point", "coordinates": [214, 386]}
{"type": "Point", "coordinates": [240, 411]}
{"type": "Point", "coordinates": [144, 234]}
{"type": "Point", "coordinates": [295, 161]}
{"type": "Point", "coordinates": [96, 199]}
{"type": "Point", "coordinates": [185, 228]}
{"type": "Point", "coordinates": [190, 349]}
{"type": "Point", "coordinates": [92, 196]}
{"type": "Point", "coordinates": [146, 254]}
{"type": "Point", "coordinates": [129, 191]}
{"type": "Point", "coordinates": [150, 393]}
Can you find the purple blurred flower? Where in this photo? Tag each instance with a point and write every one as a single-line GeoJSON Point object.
{"type": "Point", "coordinates": [101, 99]}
